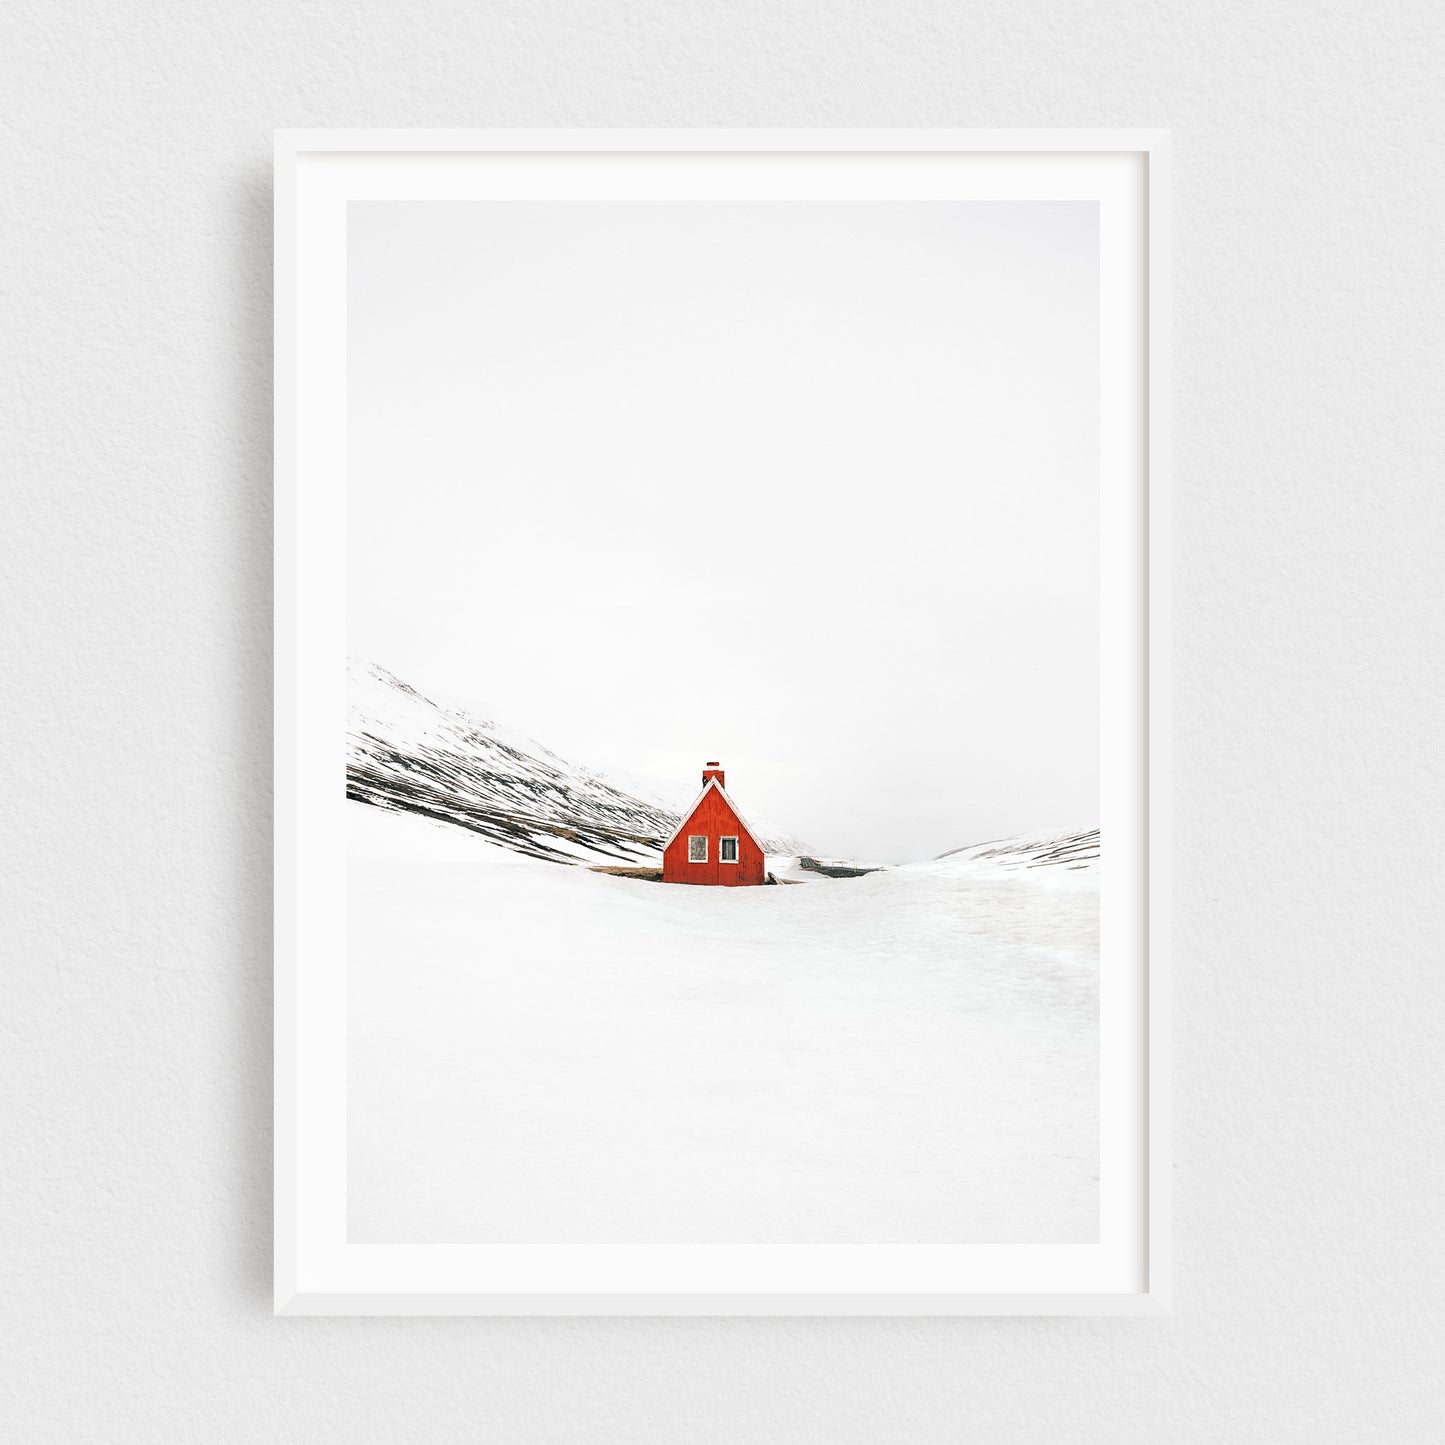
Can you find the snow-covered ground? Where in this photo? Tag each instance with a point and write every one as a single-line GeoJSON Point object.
{"type": "Point", "coordinates": [543, 1053]}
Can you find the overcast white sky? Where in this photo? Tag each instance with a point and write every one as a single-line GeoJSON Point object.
{"type": "Point", "coordinates": [811, 488]}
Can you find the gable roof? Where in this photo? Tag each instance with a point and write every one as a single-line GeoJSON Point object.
{"type": "Point", "coordinates": [696, 802]}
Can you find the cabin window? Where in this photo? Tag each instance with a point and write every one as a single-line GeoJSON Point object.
{"type": "Point", "coordinates": [727, 850]}
{"type": "Point", "coordinates": [697, 848]}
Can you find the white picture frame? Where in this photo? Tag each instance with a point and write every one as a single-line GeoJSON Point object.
{"type": "Point", "coordinates": [317, 1271]}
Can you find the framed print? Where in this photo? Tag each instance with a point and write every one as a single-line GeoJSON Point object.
{"type": "Point", "coordinates": [721, 722]}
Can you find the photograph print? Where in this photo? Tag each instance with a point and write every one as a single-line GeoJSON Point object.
{"type": "Point", "coordinates": [723, 722]}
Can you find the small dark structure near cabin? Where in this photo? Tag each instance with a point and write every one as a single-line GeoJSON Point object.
{"type": "Point", "coordinates": [835, 870]}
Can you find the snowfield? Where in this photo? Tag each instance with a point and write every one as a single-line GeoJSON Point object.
{"type": "Point", "coordinates": [539, 1052]}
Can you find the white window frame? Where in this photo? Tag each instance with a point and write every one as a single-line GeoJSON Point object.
{"type": "Point", "coordinates": [697, 838]}
{"type": "Point", "coordinates": [722, 852]}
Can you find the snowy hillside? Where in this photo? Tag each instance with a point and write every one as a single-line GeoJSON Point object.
{"type": "Point", "coordinates": [408, 754]}
{"type": "Point", "coordinates": [1075, 850]}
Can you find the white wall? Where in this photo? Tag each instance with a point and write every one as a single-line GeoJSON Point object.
{"type": "Point", "coordinates": [135, 462]}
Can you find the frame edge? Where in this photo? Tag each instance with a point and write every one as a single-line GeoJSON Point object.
{"type": "Point", "coordinates": [1159, 889]}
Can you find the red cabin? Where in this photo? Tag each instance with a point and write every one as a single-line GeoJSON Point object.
{"type": "Point", "coordinates": [712, 844]}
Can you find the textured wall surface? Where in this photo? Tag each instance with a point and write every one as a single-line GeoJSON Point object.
{"type": "Point", "coordinates": [1310, 654]}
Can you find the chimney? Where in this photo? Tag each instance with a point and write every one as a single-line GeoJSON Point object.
{"type": "Point", "coordinates": [713, 770]}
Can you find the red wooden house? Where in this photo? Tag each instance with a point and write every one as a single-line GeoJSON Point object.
{"type": "Point", "coordinates": [713, 844]}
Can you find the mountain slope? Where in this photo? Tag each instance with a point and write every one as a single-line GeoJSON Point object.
{"type": "Point", "coordinates": [408, 754]}
{"type": "Point", "coordinates": [1074, 850]}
